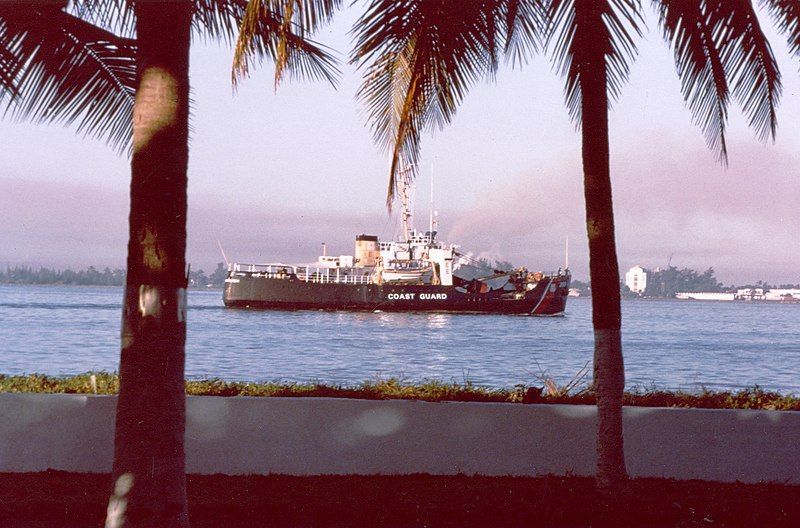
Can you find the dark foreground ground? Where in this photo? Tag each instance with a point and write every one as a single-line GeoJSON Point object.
{"type": "Point", "coordinates": [60, 499]}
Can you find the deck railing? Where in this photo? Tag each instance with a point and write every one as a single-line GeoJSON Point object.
{"type": "Point", "coordinates": [303, 273]}
{"type": "Point", "coordinates": [317, 274]}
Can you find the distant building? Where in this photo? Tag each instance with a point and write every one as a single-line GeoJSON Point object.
{"type": "Point", "coordinates": [783, 294]}
{"type": "Point", "coordinates": [636, 279]}
{"type": "Point", "coordinates": [750, 294]}
{"type": "Point", "coordinates": [706, 296]}
{"type": "Point", "coordinates": [745, 294]}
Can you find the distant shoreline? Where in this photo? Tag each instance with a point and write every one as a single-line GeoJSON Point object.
{"type": "Point", "coordinates": [219, 287]}
{"type": "Point", "coordinates": [91, 276]}
{"type": "Point", "coordinates": [74, 285]}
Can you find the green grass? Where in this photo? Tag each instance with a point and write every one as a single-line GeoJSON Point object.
{"type": "Point", "coordinates": [394, 389]}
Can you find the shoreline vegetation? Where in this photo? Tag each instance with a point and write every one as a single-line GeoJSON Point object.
{"type": "Point", "coordinates": [663, 285]}
{"type": "Point", "coordinates": [105, 383]}
{"type": "Point", "coordinates": [91, 276]}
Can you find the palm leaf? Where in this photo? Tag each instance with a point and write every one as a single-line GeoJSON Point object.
{"type": "Point", "coordinates": [524, 22]}
{"type": "Point", "coordinates": [275, 29]}
{"type": "Point", "coordinates": [786, 14]}
{"type": "Point", "coordinates": [218, 19]}
{"type": "Point", "coordinates": [749, 63]}
{"type": "Point", "coordinates": [69, 71]}
{"type": "Point", "coordinates": [10, 65]}
{"type": "Point", "coordinates": [75, 67]}
{"type": "Point", "coordinates": [420, 57]}
{"type": "Point", "coordinates": [279, 30]}
{"type": "Point", "coordinates": [578, 29]}
{"type": "Point", "coordinates": [694, 35]}
{"type": "Point", "coordinates": [115, 16]}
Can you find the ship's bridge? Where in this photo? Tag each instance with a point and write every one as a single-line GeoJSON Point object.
{"type": "Point", "coordinates": [416, 238]}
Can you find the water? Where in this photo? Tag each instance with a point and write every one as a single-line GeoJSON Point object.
{"type": "Point", "coordinates": [62, 330]}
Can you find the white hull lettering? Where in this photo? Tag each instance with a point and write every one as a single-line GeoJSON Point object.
{"type": "Point", "coordinates": [433, 296]}
{"type": "Point", "coordinates": [412, 296]}
{"type": "Point", "coordinates": [401, 296]}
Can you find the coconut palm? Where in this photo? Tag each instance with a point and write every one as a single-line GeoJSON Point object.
{"type": "Point", "coordinates": [155, 304]}
{"type": "Point", "coordinates": [56, 67]}
{"type": "Point", "coordinates": [149, 476]}
{"type": "Point", "coordinates": [422, 56]}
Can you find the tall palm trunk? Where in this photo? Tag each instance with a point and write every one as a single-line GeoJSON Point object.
{"type": "Point", "coordinates": [149, 461]}
{"type": "Point", "coordinates": [609, 375]}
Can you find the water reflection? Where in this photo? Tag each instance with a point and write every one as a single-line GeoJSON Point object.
{"type": "Point", "coordinates": [437, 321]}
{"type": "Point", "coordinates": [67, 330]}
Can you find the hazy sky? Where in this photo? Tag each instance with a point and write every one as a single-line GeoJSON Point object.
{"type": "Point", "coordinates": [272, 175]}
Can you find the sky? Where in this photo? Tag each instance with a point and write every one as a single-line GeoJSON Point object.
{"type": "Point", "coordinates": [273, 174]}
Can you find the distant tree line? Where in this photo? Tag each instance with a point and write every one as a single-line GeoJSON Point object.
{"type": "Point", "coordinates": [766, 286]}
{"type": "Point", "coordinates": [584, 288]}
{"type": "Point", "coordinates": [88, 277]}
{"type": "Point", "coordinates": [93, 277]}
{"type": "Point", "coordinates": [669, 281]}
{"type": "Point", "coordinates": [199, 279]}
{"type": "Point", "coordinates": [662, 283]}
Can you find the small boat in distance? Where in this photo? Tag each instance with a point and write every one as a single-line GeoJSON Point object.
{"type": "Point", "coordinates": [417, 273]}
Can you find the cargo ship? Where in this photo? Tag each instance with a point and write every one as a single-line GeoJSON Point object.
{"type": "Point", "coordinates": [417, 273]}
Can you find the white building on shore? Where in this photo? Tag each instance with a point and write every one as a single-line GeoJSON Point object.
{"type": "Point", "coordinates": [782, 294]}
{"type": "Point", "coordinates": [636, 279]}
{"type": "Point", "coordinates": [706, 296]}
{"type": "Point", "coordinates": [750, 294]}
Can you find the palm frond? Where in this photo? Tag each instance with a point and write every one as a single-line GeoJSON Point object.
{"type": "Point", "coordinates": [786, 14]}
{"type": "Point", "coordinates": [280, 30]}
{"type": "Point", "coordinates": [10, 65]}
{"type": "Point", "coordinates": [115, 16]}
{"type": "Point", "coordinates": [751, 67]}
{"type": "Point", "coordinates": [277, 29]}
{"type": "Point", "coordinates": [523, 25]}
{"type": "Point", "coordinates": [69, 71]}
{"type": "Point", "coordinates": [420, 57]}
{"type": "Point", "coordinates": [217, 19]}
{"type": "Point", "coordinates": [578, 31]}
{"type": "Point", "coordinates": [694, 36]}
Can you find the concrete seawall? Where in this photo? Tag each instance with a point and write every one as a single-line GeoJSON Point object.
{"type": "Point", "coordinates": [311, 436]}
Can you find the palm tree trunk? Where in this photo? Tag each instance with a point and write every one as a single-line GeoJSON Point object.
{"type": "Point", "coordinates": [609, 373]}
{"type": "Point", "coordinates": [149, 462]}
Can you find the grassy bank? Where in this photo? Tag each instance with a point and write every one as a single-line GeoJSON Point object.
{"type": "Point", "coordinates": [392, 388]}
{"type": "Point", "coordinates": [72, 499]}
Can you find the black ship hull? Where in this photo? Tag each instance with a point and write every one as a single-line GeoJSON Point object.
{"type": "Point", "coordinates": [256, 291]}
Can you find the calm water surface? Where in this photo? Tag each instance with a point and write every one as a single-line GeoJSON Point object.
{"type": "Point", "coordinates": [62, 330]}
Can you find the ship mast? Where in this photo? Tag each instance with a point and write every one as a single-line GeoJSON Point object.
{"type": "Point", "coordinates": [430, 229]}
{"type": "Point", "coordinates": [405, 210]}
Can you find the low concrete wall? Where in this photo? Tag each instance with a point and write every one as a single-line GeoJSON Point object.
{"type": "Point", "coordinates": [307, 436]}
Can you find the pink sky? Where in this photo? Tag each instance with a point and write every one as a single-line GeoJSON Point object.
{"type": "Point", "coordinates": [667, 206]}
